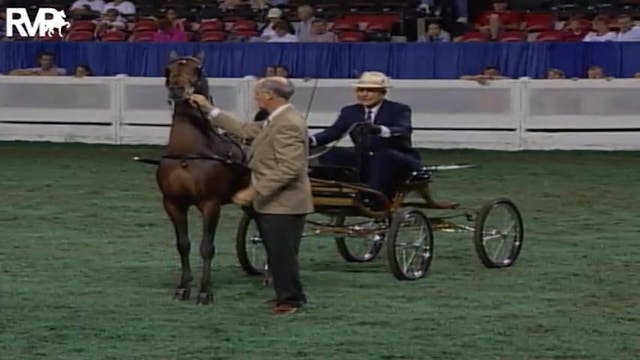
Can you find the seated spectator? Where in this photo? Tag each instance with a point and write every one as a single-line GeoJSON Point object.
{"type": "Point", "coordinates": [281, 33]}
{"type": "Point", "coordinates": [637, 75]}
{"type": "Point", "coordinates": [274, 15]}
{"type": "Point", "coordinates": [125, 8]}
{"type": "Point", "coordinates": [435, 34]}
{"type": "Point", "coordinates": [508, 19]}
{"type": "Point", "coordinates": [305, 24]}
{"type": "Point", "coordinates": [628, 32]}
{"type": "Point", "coordinates": [575, 29]}
{"type": "Point", "coordinates": [595, 72]}
{"type": "Point", "coordinates": [270, 71]}
{"type": "Point", "coordinates": [168, 33]}
{"type": "Point", "coordinates": [434, 7]}
{"type": "Point", "coordinates": [282, 71]}
{"type": "Point", "coordinates": [86, 9]}
{"type": "Point", "coordinates": [82, 71]}
{"type": "Point", "coordinates": [47, 67]}
{"type": "Point", "coordinates": [110, 21]}
{"type": "Point", "coordinates": [489, 73]}
{"type": "Point", "coordinates": [172, 15]}
{"type": "Point", "coordinates": [601, 31]}
{"type": "Point", "coordinates": [554, 74]}
{"type": "Point", "coordinates": [319, 33]}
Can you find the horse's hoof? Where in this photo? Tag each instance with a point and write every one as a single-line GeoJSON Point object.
{"type": "Point", "coordinates": [182, 294]}
{"type": "Point", "coordinates": [205, 298]}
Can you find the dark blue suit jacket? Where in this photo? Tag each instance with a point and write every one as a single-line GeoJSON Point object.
{"type": "Point", "coordinates": [395, 116]}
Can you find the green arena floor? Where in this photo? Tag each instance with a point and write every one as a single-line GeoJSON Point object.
{"type": "Point", "coordinates": [88, 265]}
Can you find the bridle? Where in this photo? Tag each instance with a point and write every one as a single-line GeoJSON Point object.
{"type": "Point", "coordinates": [199, 85]}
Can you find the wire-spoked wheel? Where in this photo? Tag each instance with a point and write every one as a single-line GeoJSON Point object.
{"type": "Point", "coordinates": [409, 244]}
{"type": "Point", "coordinates": [499, 233]}
{"type": "Point", "coordinates": [363, 248]}
{"type": "Point", "coordinates": [250, 248]}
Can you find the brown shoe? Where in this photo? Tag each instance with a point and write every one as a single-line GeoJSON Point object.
{"type": "Point", "coordinates": [284, 309]}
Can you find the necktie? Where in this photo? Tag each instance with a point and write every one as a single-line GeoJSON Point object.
{"type": "Point", "coordinates": [369, 118]}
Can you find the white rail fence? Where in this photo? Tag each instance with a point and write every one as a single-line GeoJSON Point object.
{"type": "Point", "coordinates": [504, 115]}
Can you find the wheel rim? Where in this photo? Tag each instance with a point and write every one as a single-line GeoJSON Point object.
{"type": "Point", "coordinates": [501, 234]}
{"type": "Point", "coordinates": [256, 252]}
{"type": "Point", "coordinates": [413, 245]}
{"type": "Point", "coordinates": [365, 238]}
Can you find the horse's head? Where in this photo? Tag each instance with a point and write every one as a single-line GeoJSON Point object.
{"type": "Point", "coordinates": [184, 76]}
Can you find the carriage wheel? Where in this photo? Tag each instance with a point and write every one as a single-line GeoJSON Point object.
{"type": "Point", "coordinates": [358, 249]}
{"type": "Point", "coordinates": [409, 244]}
{"type": "Point", "coordinates": [499, 233]}
{"type": "Point", "coordinates": [250, 249]}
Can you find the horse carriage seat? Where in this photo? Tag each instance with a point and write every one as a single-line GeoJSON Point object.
{"type": "Point", "coordinates": [335, 173]}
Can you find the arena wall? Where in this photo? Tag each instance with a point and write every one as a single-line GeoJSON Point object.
{"type": "Point", "coordinates": [504, 115]}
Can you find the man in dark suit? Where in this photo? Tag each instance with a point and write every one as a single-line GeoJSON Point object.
{"type": "Point", "coordinates": [380, 129]}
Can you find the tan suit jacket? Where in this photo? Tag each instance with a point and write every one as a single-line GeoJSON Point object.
{"type": "Point", "coordinates": [278, 160]}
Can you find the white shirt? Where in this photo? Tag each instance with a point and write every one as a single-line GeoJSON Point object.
{"type": "Point", "coordinates": [632, 35]}
{"type": "Point", "coordinates": [594, 37]}
{"type": "Point", "coordinates": [285, 38]}
{"type": "Point", "coordinates": [95, 5]}
{"type": "Point", "coordinates": [125, 8]}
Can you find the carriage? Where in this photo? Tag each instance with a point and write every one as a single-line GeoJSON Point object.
{"type": "Point", "coordinates": [404, 226]}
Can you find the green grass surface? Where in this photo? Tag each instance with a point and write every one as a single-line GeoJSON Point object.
{"type": "Point", "coordinates": [88, 266]}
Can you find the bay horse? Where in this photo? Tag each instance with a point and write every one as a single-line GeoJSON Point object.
{"type": "Point", "coordinates": [201, 168]}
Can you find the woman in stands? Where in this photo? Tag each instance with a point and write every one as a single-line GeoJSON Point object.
{"type": "Point", "coordinates": [601, 32]}
{"type": "Point", "coordinates": [168, 33]}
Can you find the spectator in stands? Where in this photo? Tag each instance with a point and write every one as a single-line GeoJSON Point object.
{"type": "Point", "coordinates": [554, 74]}
{"type": "Point", "coordinates": [281, 33]}
{"type": "Point", "coordinates": [168, 33]}
{"type": "Point", "coordinates": [82, 71]}
{"type": "Point", "coordinates": [274, 16]}
{"type": "Point", "coordinates": [305, 24]}
{"type": "Point", "coordinates": [319, 33]}
{"type": "Point", "coordinates": [435, 7]}
{"type": "Point", "coordinates": [172, 15]}
{"type": "Point", "coordinates": [489, 73]}
{"type": "Point", "coordinates": [270, 71]}
{"type": "Point", "coordinates": [575, 29]}
{"type": "Point", "coordinates": [595, 72]}
{"type": "Point", "coordinates": [110, 21]}
{"type": "Point", "coordinates": [628, 32]}
{"type": "Point", "coordinates": [282, 71]}
{"type": "Point", "coordinates": [435, 34]}
{"type": "Point", "coordinates": [601, 30]}
{"type": "Point", "coordinates": [47, 67]}
{"type": "Point", "coordinates": [86, 9]}
{"type": "Point", "coordinates": [125, 8]}
{"type": "Point", "coordinates": [506, 18]}
{"type": "Point", "coordinates": [637, 75]}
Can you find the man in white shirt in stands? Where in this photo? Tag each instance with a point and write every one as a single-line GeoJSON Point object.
{"type": "Point", "coordinates": [281, 33]}
{"type": "Point", "coordinates": [601, 32]}
{"type": "Point", "coordinates": [305, 15]}
{"type": "Point", "coordinates": [125, 8]}
{"type": "Point", "coordinates": [628, 32]}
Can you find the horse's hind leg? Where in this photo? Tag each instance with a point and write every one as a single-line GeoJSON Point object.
{"type": "Point", "coordinates": [210, 216]}
{"type": "Point", "coordinates": [178, 215]}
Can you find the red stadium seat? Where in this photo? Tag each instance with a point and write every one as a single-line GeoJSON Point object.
{"type": "Point", "coordinates": [143, 26]}
{"type": "Point", "coordinates": [53, 37]}
{"type": "Point", "coordinates": [538, 22]}
{"type": "Point", "coordinates": [211, 25]}
{"type": "Point", "coordinates": [513, 36]}
{"type": "Point", "coordinates": [213, 36]}
{"type": "Point", "coordinates": [142, 36]}
{"type": "Point", "coordinates": [474, 36]}
{"type": "Point", "coordinates": [80, 35]}
{"type": "Point", "coordinates": [553, 35]}
{"type": "Point", "coordinates": [114, 36]}
{"type": "Point", "coordinates": [243, 25]}
{"type": "Point", "coordinates": [245, 32]}
{"type": "Point", "coordinates": [351, 36]}
{"type": "Point", "coordinates": [83, 25]}
{"type": "Point", "coordinates": [379, 26]}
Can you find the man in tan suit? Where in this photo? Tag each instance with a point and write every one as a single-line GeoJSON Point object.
{"type": "Point", "coordinates": [280, 189]}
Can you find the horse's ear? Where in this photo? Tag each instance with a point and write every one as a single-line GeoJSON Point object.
{"type": "Point", "coordinates": [173, 55]}
{"type": "Point", "coordinates": [200, 56]}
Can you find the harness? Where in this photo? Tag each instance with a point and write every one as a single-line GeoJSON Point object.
{"type": "Point", "coordinates": [201, 86]}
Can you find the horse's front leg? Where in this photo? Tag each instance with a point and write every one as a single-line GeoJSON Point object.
{"type": "Point", "coordinates": [210, 216]}
{"type": "Point", "coordinates": [179, 218]}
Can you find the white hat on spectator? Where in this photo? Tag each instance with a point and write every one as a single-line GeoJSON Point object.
{"type": "Point", "coordinates": [373, 79]}
{"type": "Point", "coordinates": [274, 13]}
